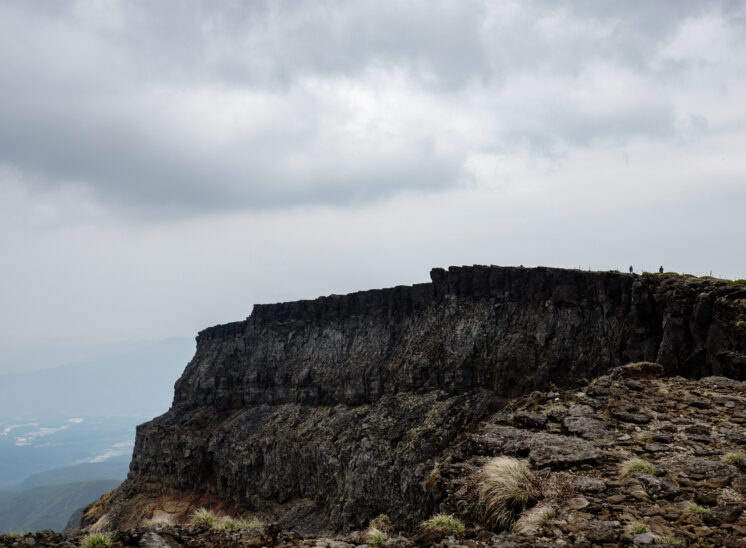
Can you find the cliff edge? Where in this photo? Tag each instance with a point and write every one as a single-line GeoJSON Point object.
{"type": "Point", "coordinates": [324, 413]}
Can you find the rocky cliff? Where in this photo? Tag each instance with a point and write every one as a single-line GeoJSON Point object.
{"type": "Point", "coordinates": [324, 413]}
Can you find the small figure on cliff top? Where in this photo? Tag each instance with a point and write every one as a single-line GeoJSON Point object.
{"type": "Point", "coordinates": [660, 269]}
{"type": "Point", "coordinates": [631, 270]}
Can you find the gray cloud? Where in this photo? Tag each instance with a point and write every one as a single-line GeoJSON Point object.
{"type": "Point", "coordinates": [204, 106]}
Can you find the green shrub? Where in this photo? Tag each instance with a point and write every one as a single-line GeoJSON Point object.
{"type": "Point", "coordinates": [444, 522]}
{"type": "Point", "coordinates": [636, 466]}
{"type": "Point", "coordinates": [376, 536]}
{"type": "Point", "coordinates": [531, 520]}
{"type": "Point", "coordinates": [506, 487]}
{"type": "Point", "coordinates": [637, 528]}
{"type": "Point", "coordinates": [96, 540]}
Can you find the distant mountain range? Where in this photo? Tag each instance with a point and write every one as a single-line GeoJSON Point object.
{"type": "Point", "coordinates": [49, 506]}
{"type": "Point", "coordinates": [115, 468]}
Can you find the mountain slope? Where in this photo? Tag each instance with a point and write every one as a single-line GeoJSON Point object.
{"type": "Point", "coordinates": [48, 507]}
{"type": "Point", "coordinates": [112, 469]}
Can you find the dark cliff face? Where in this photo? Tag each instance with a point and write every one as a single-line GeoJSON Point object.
{"type": "Point", "coordinates": [327, 412]}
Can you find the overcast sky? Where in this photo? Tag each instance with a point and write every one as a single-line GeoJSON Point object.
{"type": "Point", "coordinates": [166, 164]}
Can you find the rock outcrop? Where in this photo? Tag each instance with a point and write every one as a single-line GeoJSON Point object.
{"type": "Point", "coordinates": [325, 413]}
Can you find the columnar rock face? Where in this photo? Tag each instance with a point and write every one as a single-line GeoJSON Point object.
{"type": "Point", "coordinates": [328, 412]}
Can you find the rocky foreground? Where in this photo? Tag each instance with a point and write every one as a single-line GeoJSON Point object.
{"type": "Point", "coordinates": [686, 486]}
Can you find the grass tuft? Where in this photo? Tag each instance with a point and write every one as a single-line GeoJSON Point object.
{"type": "Point", "coordinates": [157, 523]}
{"type": "Point", "coordinates": [226, 523]}
{"type": "Point", "coordinates": [506, 487]}
{"type": "Point", "coordinates": [531, 520]}
{"type": "Point", "coordinates": [637, 528]}
{"type": "Point", "coordinates": [669, 539]}
{"type": "Point", "coordinates": [636, 466]}
{"type": "Point", "coordinates": [376, 537]}
{"type": "Point", "coordinates": [382, 523]}
{"type": "Point", "coordinates": [644, 437]}
{"type": "Point", "coordinates": [96, 540]}
{"type": "Point", "coordinates": [736, 459]}
{"type": "Point", "coordinates": [203, 516]}
{"type": "Point", "coordinates": [696, 509]}
{"type": "Point", "coordinates": [444, 522]}
{"type": "Point", "coordinates": [249, 523]}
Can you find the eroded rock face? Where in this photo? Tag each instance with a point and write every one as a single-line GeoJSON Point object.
{"type": "Point", "coordinates": [330, 411]}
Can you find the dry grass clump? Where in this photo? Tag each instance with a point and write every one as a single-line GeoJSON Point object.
{"type": "Point", "coordinates": [531, 520]}
{"type": "Point", "coordinates": [96, 540]}
{"type": "Point", "coordinates": [159, 522]}
{"type": "Point", "coordinates": [203, 516]}
{"type": "Point", "coordinates": [376, 537]}
{"type": "Point", "coordinates": [506, 487]}
{"type": "Point", "coordinates": [444, 522]}
{"type": "Point", "coordinates": [382, 523]}
{"type": "Point", "coordinates": [636, 466]}
{"type": "Point", "coordinates": [227, 523]}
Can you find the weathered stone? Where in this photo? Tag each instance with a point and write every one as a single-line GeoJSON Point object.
{"type": "Point", "coordinates": [529, 420]}
{"type": "Point", "coordinates": [724, 513]}
{"type": "Point", "coordinates": [657, 488]}
{"type": "Point", "coordinates": [152, 539]}
{"type": "Point", "coordinates": [714, 472]}
{"type": "Point", "coordinates": [589, 485]}
{"type": "Point", "coordinates": [644, 539]}
{"type": "Point", "coordinates": [560, 451]}
{"type": "Point", "coordinates": [602, 531]}
{"type": "Point", "coordinates": [591, 429]}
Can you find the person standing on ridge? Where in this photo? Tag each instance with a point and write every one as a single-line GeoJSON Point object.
{"type": "Point", "coordinates": [631, 270]}
{"type": "Point", "coordinates": [660, 269]}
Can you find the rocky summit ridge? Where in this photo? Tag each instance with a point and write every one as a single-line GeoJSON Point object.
{"type": "Point", "coordinates": [320, 415]}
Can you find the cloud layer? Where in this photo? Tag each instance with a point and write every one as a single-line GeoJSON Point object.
{"type": "Point", "coordinates": [193, 106]}
{"type": "Point", "coordinates": [165, 165]}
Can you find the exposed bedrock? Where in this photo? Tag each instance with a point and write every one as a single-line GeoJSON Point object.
{"type": "Point", "coordinates": [328, 412]}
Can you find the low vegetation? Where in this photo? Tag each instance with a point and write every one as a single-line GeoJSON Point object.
{"type": "Point", "coordinates": [669, 539]}
{"type": "Point", "coordinates": [444, 522]}
{"type": "Point", "coordinates": [96, 540]}
{"type": "Point", "coordinates": [203, 516]}
{"type": "Point", "coordinates": [637, 528]}
{"type": "Point", "coordinates": [506, 487]}
{"type": "Point", "coordinates": [376, 537]}
{"type": "Point", "coordinates": [157, 523]}
{"type": "Point", "coordinates": [531, 520]}
{"type": "Point", "coordinates": [636, 466]}
{"type": "Point", "coordinates": [383, 523]}
{"type": "Point", "coordinates": [696, 509]}
{"type": "Point", "coordinates": [736, 459]}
